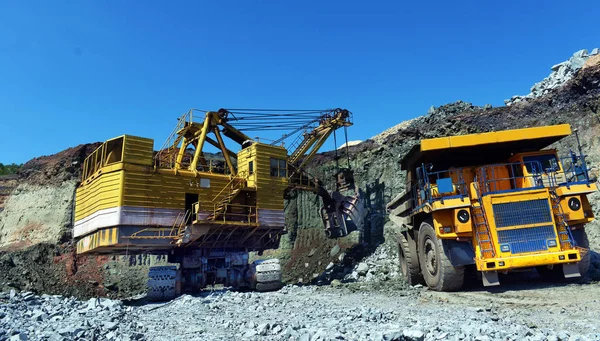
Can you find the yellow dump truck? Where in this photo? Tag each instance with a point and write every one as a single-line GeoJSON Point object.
{"type": "Point", "coordinates": [495, 201]}
{"type": "Point", "coordinates": [206, 214]}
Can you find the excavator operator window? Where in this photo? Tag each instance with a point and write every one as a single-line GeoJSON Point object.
{"type": "Point", "coordinates": [278, 168]}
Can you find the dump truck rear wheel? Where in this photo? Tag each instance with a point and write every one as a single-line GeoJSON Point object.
{"type": "Point", "coordinates": [409, 263]}
{"type": "Point", "coordinates": [438, 272]}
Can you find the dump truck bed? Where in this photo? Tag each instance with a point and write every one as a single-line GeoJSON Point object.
{"type": "Point", "coordinates": [483, 148]}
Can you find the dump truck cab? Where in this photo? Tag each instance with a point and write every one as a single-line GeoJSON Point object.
{"type": "Point", "coordinates": [497, 201]}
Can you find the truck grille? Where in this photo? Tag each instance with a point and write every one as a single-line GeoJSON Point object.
{"type": "Point", "coordinates": [529, 239]}
{"type": "Point", "coordinates": [522, 213]}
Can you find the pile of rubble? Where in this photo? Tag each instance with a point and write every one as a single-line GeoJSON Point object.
{"type": "Point", "coordinates": [382, 265]}
{"type": "Point", "coordinates": [25, 316]}
{"type": "Point", "coordinates": [354, 311]}
{"type": "Point", "coordinates": [561, 73]}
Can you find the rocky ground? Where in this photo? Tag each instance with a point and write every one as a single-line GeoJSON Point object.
{"type": "Point", "coordinates": [522, 309]}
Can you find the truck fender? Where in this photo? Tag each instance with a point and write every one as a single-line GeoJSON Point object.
{"type": "Point", "coordinates": [459, 253]}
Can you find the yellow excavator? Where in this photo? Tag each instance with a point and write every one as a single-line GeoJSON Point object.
{"type": "Point", "coordinates": [205, 212]}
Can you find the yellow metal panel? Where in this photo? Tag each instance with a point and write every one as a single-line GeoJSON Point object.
{"type": "Point", "coordinates": [576, 189]}
{"type": "Point", "coordinates": [495, 137]}
{"type": "Point", "coordinates": [572, 215]}
{"type": "Point", "coordinates": [436, 143]}
{"type": "Point", "coordinates": [102, 193]}
{"type": "Point", "coordinates": [520, 196]}
{"type": "Point", "coordinates": [451, 203]}
{"type": "Point", "coordinates": [244, 157]}
{"type": "Point", "coordinates": [529, 260]}
{"type": "Point", "coordinates": [138, 150]}
{"type": "Point", "coordinates": [471, 139]}
{"type": "Point", "coordinates": [105, 237]}
{"type": "Point", "coordinates": [142, 187]}
{"type": "Point", "coordinates": [167, 190]}
{"type": "Point", "coordinates": [269, 188]}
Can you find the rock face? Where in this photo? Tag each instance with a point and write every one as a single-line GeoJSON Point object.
{"type": "Point", "coordinates": [37, 214]}
{"type": "Point", "coordinates": [7, 184]}
{"type": "Point", "coordinates": [561, 73]}
{"type": "Point", "coordinates": [40, 208]}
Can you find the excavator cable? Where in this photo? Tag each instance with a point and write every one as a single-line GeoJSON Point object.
{"type": "Point", "coordinates": [347, 147]}
{"type": "Point", "coordinates": [337, 163]}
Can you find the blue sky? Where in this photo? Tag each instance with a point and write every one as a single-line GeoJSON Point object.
{"type": "Point", "coordinates": [74, 72]}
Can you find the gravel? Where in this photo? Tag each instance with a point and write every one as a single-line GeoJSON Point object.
{"type": "Point", "coordinates": [25, 316]}
{"type": "Point", "coordinates": [349, 311]}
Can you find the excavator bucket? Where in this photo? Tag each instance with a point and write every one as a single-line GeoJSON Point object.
{"type": "Point", "coordinates": [344, 213]}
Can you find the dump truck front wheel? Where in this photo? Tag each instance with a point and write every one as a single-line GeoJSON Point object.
{"type": "Point", "coordinates": [409, 263]}
{"type": "Point", "coordinates": [438, 272]}
{"type": "Point", "coordinates": [582, 241]}
{"type": "Point", "coordinates": [555, 273]}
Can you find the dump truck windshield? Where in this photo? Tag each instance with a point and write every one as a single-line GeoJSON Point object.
{"type": "Point", "coordinates": [547, 161]}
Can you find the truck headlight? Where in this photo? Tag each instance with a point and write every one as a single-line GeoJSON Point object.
{"type": "Point", "coordinates": [463, 216]}
{"type": "Point", "coordinates": [552, 243]}
{"type": "Point", "coordinates": [574, 204]}
{"type": "Point", "coordinates": [505, 248]}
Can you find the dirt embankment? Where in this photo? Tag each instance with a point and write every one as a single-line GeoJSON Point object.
{"type": "Point", "coordinates": [36, 252]}
{"type": "Point", "coordinates": [40, 205]}
{"type": "Point", "coordinates": [7, 184]}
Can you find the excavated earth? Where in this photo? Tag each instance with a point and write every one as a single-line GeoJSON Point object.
{"type": "Point", "coordinates": [349, 289]}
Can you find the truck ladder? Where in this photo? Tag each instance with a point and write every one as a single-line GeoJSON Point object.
{"type": "Point", "coordinates": [482, 228]}
{"type": "Point", "coordinates": [564, 231]}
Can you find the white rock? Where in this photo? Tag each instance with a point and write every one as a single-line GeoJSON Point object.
{"type": "Point", "coordinates": [19, 337]}
{"type": "Point", "coordinates": [350, 144]}
{"type": "Point", "coordinates": [362, 269]}
{"type": "Point", "coordinates": [580, 53]}
{"type": "Point", "coordinates": [413, 335]}
{"type": "Point", "coordinates": [92, 303]}
{"type": "Point", "coordinates": [262, 329]}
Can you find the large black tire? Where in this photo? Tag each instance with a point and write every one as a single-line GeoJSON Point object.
{"type": "Point", "coordinates": [409, 262]}
{"type": "Point", "coordinates": [162, 283]}
{"type": "Point", "coordinates": [581, 240]}
{"type": "Point", "coordinates": [268, 275]}
{"type": "Point", "coordinates": [437, 270]}
{"type": "Point", "coordinates": [556, 273]}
